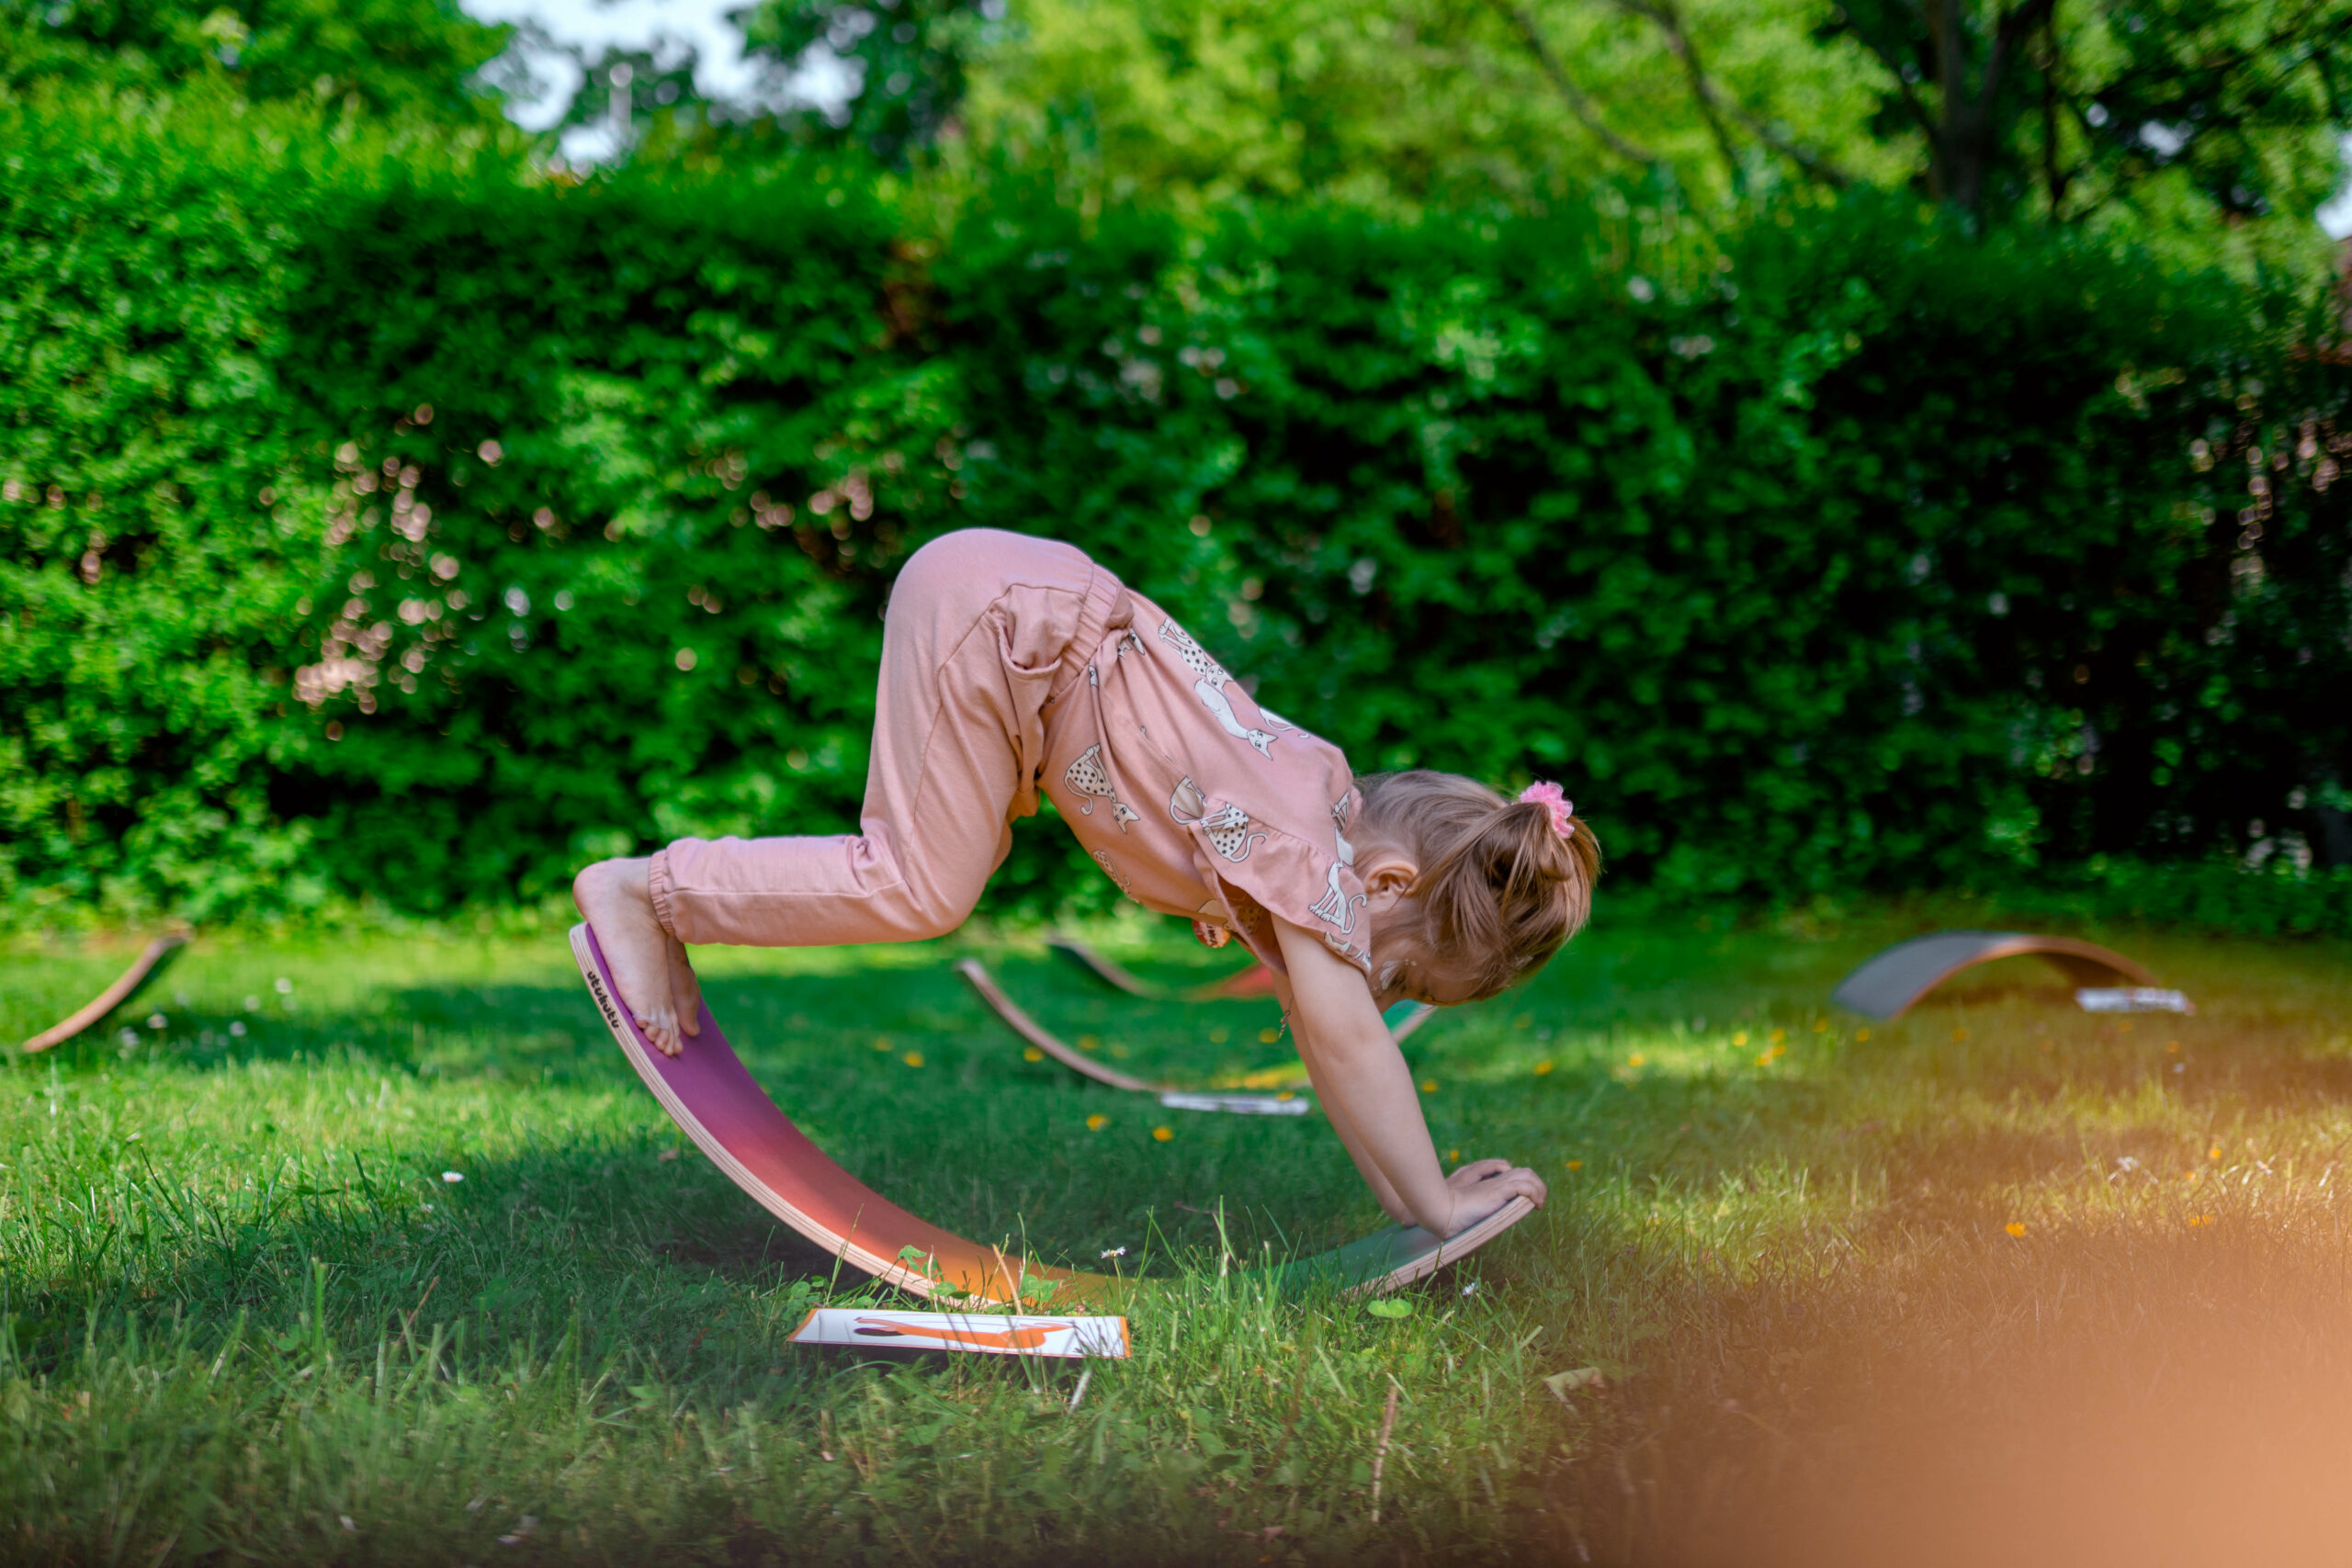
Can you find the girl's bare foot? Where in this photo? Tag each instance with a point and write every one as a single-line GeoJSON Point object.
{"type": "Point", "coordinates": [649, 968]}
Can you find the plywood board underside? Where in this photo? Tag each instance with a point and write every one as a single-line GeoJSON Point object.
{"type": "Point", "coordinates": [1889, 982]}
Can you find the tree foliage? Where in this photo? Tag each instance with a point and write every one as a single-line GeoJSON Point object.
{"type": "Point", "coordinates": [2067, 106]}
{"type": "Point", "coordinates": [416, 59]}
{"type": "Point", "coordinates": [908, 58]}
{"type": "Point", "coordinates": [1822, 553]}
{"type": "Point", "coordinates": [2210, 127]}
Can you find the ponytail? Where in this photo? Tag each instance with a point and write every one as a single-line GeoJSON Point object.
{"type": "Point", "coordinates": [1503, 884]}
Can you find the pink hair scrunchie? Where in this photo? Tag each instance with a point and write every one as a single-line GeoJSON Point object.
{"type": "Point", "coordinates": [1556, 800]}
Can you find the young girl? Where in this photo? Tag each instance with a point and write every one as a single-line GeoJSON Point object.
{"type": "Point", "coordinates": [1009, 662]}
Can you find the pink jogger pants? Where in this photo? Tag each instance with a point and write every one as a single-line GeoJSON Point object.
{"type": "Point", "coordinates": [985, 632]}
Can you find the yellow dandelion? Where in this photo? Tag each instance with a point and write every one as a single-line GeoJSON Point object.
{"type": "Point", "coordinates": [1453, 1153]}
{"type": "Point", "coordinates": [2014, 1227]}
{"type": "Point", "coordinates": [1543, 1068]}
{"type": "Point", "coordinates": [1740, 1038]}
{"type": "Point", "coordinates": [1778, 1035]}
{"type": "Point", "coordinates": [1033, 1054]}
{"type": "Point", "coordinates": [1860, 1035]}
{"type": "Point", "coordinates": [2200, 1219]}
{"type": "Point", "coordinates": [1285, 1094]}
{"type": "Point", "coordinates": [1162, 1133]}
{"type": "Point", "coordinates": [1636, 1060]}
{"type": "Point", "coordinates": [2213, 1153]}
{"type": "Point", "coordinates": [1765, 1060]}
{"type": "Point", "coordinates": [1267, 1036]}
{"type": "Point", "coordinates": [2192, 1176]}
{"type": "Point", "coordinates": [1088, 1043]}
{"type": "Point", "coordinates": [912, 1059]}
{"type": "Point", "coordinates": [1097, 1122]}
{"type": "Point", "coordinates": [1428, 1086]}
{"type": "Point", "coordinates": [1576, 1165]}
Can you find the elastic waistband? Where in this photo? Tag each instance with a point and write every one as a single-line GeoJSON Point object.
{"type": "Point", "coordinates": [1106, 607]}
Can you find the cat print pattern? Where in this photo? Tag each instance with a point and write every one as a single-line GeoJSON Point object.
{"type": "Point", "coordinates": [1337, 905]}
{"type": "Point", "coordinates": [1229, 830]}
{"type": "Point", "coordinates": [1339, 821]}
{"type": "Point", "coordinates": [1210, 688]}
{"type": "Point", "coordinates": [1091, 781]}
{"type": "Point", "coordinates": [1102, 859]}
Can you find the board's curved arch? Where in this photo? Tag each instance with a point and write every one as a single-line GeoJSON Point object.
{"type": "Point", "coordinates": [152, 962]}
{"type": "Point", "coordinates": [716, 1102]}
{"type": "Point", "coordinates": [1888, 984]}
{"type": "Point", "coordinates": [1402, 1020]}
{"type": "Point", "coordinates": [1256, 980]}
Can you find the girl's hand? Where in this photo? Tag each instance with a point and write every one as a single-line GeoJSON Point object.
{"type": "Point", "coordinates": [1483, 1186]}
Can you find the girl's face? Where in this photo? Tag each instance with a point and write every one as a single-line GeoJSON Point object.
{"type": "Point", "coordinates": [1403, 970]}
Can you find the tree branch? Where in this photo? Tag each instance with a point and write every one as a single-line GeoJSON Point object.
{"type": "Point", "coordinates": [1713, 103]}
{"type": "Point", "coordinates": [1894, 69]}
{"type": "Point", "coordinates": [1662, 13]}
{"type": "Point", "coordinates": [2023, 22]}
{"type": "Point", "coordinates": [2051, 178]}
{"type": "Point", "coordinates": [1579, 103]}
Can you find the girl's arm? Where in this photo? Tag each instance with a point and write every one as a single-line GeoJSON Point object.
{"type": "Point", "coordinates": [1360, 1078]}
{"type": "Point", "coordinates": [1390, 1203]}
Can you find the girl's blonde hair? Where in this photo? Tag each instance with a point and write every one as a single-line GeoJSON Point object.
{"type": "Point", "coordinates": [1499, 890]}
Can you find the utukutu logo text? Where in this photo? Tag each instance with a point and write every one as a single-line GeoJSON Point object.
{"type": "Point", "coordinates": [603, 1002]}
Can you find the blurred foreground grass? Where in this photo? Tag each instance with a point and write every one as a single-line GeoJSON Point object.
{"type": "Point", "coordinates": [2001, 1280]}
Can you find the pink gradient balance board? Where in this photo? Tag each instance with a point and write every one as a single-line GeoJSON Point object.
{"type": "Point", "coordinates": [713, 1099]}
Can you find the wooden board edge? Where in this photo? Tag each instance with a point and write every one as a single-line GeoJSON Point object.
{"type": "Point", "coordinates": [984, 986]}
{"type": "Point", "coordinates": [124, 986]}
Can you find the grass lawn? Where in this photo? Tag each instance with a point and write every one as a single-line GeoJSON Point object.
{"type": "Point", "coordinates": [2000, 1281]}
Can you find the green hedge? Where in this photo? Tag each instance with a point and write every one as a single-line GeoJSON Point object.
{"type": "Point", "coordinates": [1834, 553]}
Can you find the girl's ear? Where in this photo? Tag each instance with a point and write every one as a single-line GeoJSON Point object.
{"type": "Point", "coordinates": [1387, 877]}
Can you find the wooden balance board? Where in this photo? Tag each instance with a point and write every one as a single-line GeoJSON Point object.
{"type": "Point", "coordinates": [1889, 983]}
{"type": "Point", "coordinates": [1402, 1020]}
{"type": "Point", "coordinates": [151, 963]}
{"type": "Point", "coordinates": [1256, 980]}
{"type": "Point", "coordinates": [1241, 986]}
{"type": "Point", "coordinates": [713, 1099]}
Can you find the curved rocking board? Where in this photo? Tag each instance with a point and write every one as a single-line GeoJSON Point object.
{"type": "Point", "coordinates": [1889, 983]}
{"type": "Point", "coordinates": [713, 1099]}
{"type": "Point", "coordinates": [984, 985]}
{"type": "Point", "coordinates": [1402, 1020]}
{"type": "Point", "coordinates": [1256, 980]}
{"type": "Point", "coordinates": [151, 963]}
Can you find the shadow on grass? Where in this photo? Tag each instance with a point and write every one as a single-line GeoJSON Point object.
{"type": "Point", "coordinates": [324, 1135]}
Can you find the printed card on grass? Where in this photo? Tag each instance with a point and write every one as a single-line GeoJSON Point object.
{"type": "Point", "coordinates": [1238, 1104]}
{"type": "Point", "coordinates": [984, 1333]}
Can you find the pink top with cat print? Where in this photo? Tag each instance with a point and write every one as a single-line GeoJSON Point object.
{"type": "Point", "coordinates": [1198, 802]}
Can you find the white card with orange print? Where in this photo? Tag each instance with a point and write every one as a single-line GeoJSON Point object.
{"type": "Point", "coordinates": [987, 1334]}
